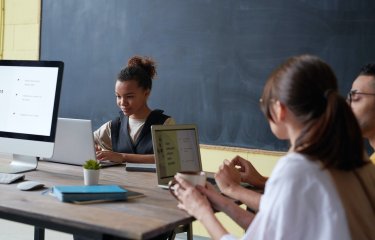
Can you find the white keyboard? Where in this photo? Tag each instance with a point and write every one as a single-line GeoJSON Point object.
{"type": "Point", "coordinates": [10, 177]}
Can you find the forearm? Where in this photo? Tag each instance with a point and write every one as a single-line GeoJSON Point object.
{"type": "Point", "coordinates": [259, 182]}
{"type": "Point", "coordinates": [213, 226]}
{"type": "Point", "coordinates": [138, 158]}
{"type": "Point", "coordinates": [248, 197]}
{"type": "Point", "coordinates": [242, 217]}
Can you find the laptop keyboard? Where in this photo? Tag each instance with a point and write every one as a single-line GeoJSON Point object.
{"type": "Point", "coordinates": [7, 178]}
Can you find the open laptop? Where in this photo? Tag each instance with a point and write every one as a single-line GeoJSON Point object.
{"type": "Point", "coordinates": [74, 143]}
{"type": "Point", "coordinates": [176, 149]}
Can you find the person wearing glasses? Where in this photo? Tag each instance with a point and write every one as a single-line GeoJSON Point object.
{"type": "Point", "coordinates": [362, 100]}
{"type": "Point", "coordinates": [323, 187]}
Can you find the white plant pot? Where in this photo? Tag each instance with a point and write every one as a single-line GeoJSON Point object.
{"type": "Point", "coordinates": [91, 177]}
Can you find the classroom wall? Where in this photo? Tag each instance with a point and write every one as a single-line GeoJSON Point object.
{"type": "Point", "coordinates": [1, 28]}
{"type": "Point", "coordinates": [21, 29]}
{"type": "Point", "coordinates": [21, 41]}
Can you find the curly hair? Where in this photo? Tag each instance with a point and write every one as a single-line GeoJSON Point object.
{"type": "Point", "coordinates": [140, 69]}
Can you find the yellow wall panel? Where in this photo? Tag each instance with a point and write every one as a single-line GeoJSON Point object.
{"type": "Point", "coordinates": [22, 12]}
{"type": "Point", "coordinates": [22, 29]}
{"type": "Point", "coordinates": [213, 157]}
{"type": "Point", "coordinates": [263, 163]}
{"type": "Point", "coordinates": [26, 37]}
{"type": "Point", "coordinates": [9, 37]}
{"type": "Point", "coordinates": [21, 55]}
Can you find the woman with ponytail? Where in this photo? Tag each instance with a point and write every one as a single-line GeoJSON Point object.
{"type": "Point", "coordinates": [127, 138]}
{"type": "Point", "coordinates": [324, 187]}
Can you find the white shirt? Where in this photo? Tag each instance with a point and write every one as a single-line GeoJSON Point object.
{"type": "Point", "coordinates": [135, 128]}
{"type": "Point", "coordinates": [300, 202]}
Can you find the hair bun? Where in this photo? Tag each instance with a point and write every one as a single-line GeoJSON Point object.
{"type": "Point", "coordinates": [146, 63]}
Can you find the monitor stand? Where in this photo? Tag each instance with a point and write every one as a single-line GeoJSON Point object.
{"type": "Point", "coordinates": [19, 163]}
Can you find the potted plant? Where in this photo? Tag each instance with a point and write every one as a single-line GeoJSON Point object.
{"type": "Point", "coordinates": [91, 170]}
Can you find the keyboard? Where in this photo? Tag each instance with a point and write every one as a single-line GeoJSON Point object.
{"type": "Point", "coordinates": [7, 178]}
{"type": "Point", "coordinates": [108, 163]}
{"type": "Point", "coordinates": [140, 167]}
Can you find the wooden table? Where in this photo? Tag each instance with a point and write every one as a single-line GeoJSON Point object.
{"type": "Point", "coordinates": [140, 218]}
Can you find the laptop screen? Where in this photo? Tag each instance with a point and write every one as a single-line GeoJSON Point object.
{"type": "Point", "coordinates": [176, 149]}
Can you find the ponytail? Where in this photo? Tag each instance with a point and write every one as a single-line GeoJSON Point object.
{"type": "Point", "coordinates": [308, 87]}
{"type": "Point", "coordinates": [334, 138]}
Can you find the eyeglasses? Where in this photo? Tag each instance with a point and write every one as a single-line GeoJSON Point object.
{"type": "Point", "coordinates": [353, 95]}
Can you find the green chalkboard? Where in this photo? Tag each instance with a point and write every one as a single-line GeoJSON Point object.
{"type": "Point", "coordinates": [213, 55]}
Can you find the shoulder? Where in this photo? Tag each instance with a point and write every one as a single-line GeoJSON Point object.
{"type": "Point", "coordinates": [158, 112]}
{"type": "Point", "coordinates": [169, 121]}
{"type": "Point", "coordinates": [298, 194]}
{"type": "Point", "coordinates": [103, 128]}
{"type": "Point", "coordinates": [295, 165]}
{"type": "Point", "coordinates": [297, 175]}
{"type": "Point", "coordinates": [373, 157]}
{"type": "Point", "coordinates": [102, 136]}
{"type": "Point", "coordinates": [157, 116]}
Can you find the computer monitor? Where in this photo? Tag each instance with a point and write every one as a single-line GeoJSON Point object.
{"type": "Point", "coordinates": [29, 103]}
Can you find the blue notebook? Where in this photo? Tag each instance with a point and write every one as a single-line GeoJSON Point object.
{"type": "Point", "coordinates": [90, 193]}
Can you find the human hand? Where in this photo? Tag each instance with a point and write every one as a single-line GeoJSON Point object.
{"type": "Point", "coordinates": [98, 148]}
{"type": "Point", "coordinates": [104, 155]}
{"type": "Point", "coordinates": [191, 199]}
{"type": "Point", "coordinates": [228, 178]}
{"type": "Point", "coordinates": [217, 200]}
{"type": "Point", "coordinates": [248, 172]}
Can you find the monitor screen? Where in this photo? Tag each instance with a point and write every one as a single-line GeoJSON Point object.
{"type": "Point", "coordinates": [29, 101]}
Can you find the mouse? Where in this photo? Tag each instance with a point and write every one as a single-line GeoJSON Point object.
{"type": "Point", "coordinates": [30, 185]}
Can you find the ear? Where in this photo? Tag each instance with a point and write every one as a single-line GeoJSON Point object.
{"type": "Point", "coordinates": [147, 93]}
{"type": "Point", "coordinates": [280, 111]}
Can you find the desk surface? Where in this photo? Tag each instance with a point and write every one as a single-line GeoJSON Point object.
{"type": "Point", "coordinates": [139, 218]}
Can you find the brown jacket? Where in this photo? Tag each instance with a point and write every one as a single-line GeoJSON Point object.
{"type": "Point", "coordinates": [357, 192]}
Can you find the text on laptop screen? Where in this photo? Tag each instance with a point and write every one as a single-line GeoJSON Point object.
{"type": "Point", "coordinates": [177, 150]}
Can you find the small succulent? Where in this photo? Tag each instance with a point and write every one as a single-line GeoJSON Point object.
{"type": "Point", "coordinates": [91, 164]}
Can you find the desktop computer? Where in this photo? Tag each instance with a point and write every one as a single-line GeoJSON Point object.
{"type": "Point", "coordinates": [29, 103]}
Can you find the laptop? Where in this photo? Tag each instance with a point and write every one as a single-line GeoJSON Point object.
{"type": "Point", "coordinates": [74, 142]}
{"type": "Point", "coordinates": [176, 149]}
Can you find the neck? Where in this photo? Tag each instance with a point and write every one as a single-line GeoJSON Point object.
{"type": "Point", "coordinates": [142, 114]}
{"type": "Point", "coordinates": [294, 130]}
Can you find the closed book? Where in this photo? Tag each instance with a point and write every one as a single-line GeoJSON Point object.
{"type": "Point", "coordinates": [90, 193]}
{"type": "Point", "coordinates": [140, 167]}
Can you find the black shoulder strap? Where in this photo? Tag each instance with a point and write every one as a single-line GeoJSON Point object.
{"type": "Point", "coordinates": [115, 129]}
{"type": "Point", "coordinates": [156, 117]}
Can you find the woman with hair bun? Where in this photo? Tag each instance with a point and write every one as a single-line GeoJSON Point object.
{"type": "Point", "coordinates": [127, 138]}
{"type": "Point", "coordinates": [323, 188]}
